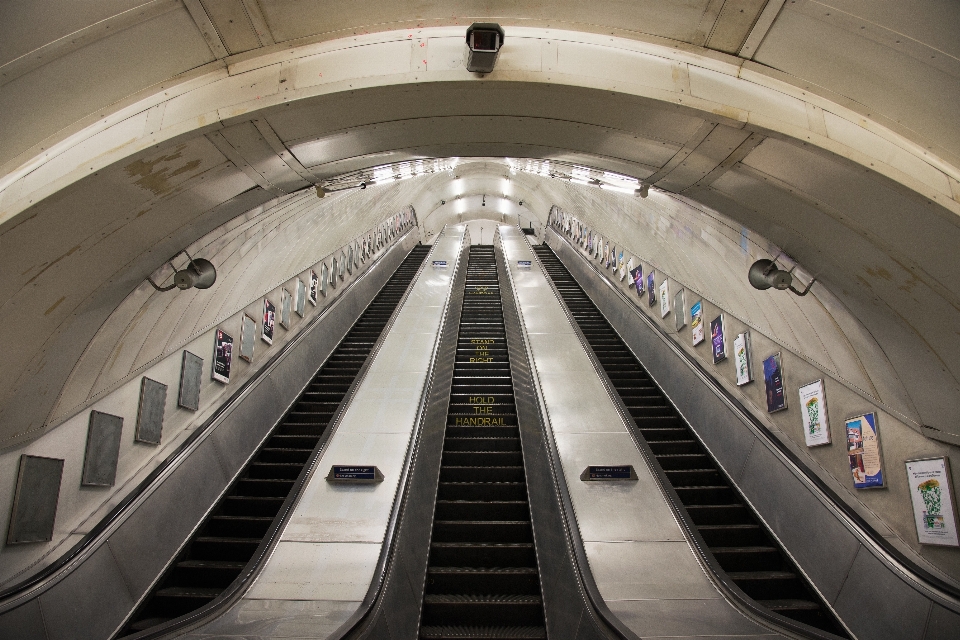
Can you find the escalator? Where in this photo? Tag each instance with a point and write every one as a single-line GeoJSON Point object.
{"type": "Point", "coordinates": [482, 576]}
{"type": "Point", "coordinates": [228, 538]}
{"type": "Point", "coordinates": [740, 543]}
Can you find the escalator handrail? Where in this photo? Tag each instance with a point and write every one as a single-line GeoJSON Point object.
{"type": "Point", "coordinates": [940, 590]}
{"type": "Point", "coordinates": [10, 596]}
{"type": "Point", "coordinates": [734, 594]}
{"type": "Point", "coordinates": [237, 588]}
{"type": "Point", "coordinates": [597, 606]}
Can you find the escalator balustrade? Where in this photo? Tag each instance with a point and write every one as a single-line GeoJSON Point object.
{"type": "Point", "coordinates": [738, 540]}
{"type": "Point", "coordinates": [228, 539]}
{"type": "Point", "coordinates": [482, 578]}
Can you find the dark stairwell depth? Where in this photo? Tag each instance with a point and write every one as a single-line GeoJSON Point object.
{"type": "Point", "coordinates": [228, 538]}
{"type": "Point", "coordinates": [738, 540]}
{"type": "Point", "coordinates": [482, 578]}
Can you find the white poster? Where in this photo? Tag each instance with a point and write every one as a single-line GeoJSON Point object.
{"type": "Point", "coordinates": [934, 509]}
{"type": "Point", "coordinates": [664, 299]}
{"type": "Point", "coordinates": [742, 357]}
{"type": "Point", "coordinates": [813, 406]}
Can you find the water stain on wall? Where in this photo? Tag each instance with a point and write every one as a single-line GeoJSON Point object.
{"type": "Point", "coordinates": [156, 178]}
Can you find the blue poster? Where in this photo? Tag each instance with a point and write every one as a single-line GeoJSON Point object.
{"type": "Point", "coordinates": [651, 291]}
{"type": "Point", "coordinates": [863, 449]}
{"type": "Point", "coordinates": [637, 276]}
{"type": "Point", "coordinates": [773, 381]}
{"type": "Point", "coordinates": [716, 338]}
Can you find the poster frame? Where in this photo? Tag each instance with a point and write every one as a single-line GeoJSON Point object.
{"type": "Point", "coordinates": [951, 500]}
{"type": "Point", "coordinates": [744, 340]}
{"type": "Point", "coordinates": [269, 321]}
{"type": "Point", "coordinates": [664, 298]}
{"type": "Point", "coordinates": [767, 381]}
{"type": "Point", "coordinates": [301, 304]}
{"type": "Point", "coordinates": [248, 336]}
{"type": "Point", "coordinates": [697, 333]}
{"type": "Point", "coordinates": [850, 451]}
{"type": "Point", "coordinates": [680, 309]}
{"type": "Point", "coordinates": [814, 391]}
{"type": "Point", "coordinates": [314, 287]}
{"type": "Point", "coordinates": [637, 275]}
{"type": "Point", "coordinates": [286, 308]}
{"type": "Point", "coordinates": [718, 346]}
{"type": "Point", "coordinates": [221, 355]}
{"type": "Point", "coordinates": [651, 288]}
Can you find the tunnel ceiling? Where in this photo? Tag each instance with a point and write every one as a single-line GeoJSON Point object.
{"type": "Point", "coordinates": [132, 129]}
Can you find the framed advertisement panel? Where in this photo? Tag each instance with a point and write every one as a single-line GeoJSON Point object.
{"type": "Point", "coordinates": [718, 340]}
{"type": "Point", "coordinates": [269, 321]}
{"type": "Point", "coordinates": [741, 353]}
{"type": "Point", "coordinates": [934, 505]}
{"type": "Point", "coordinates": [679, 310]}
{"type": "Point", "coordinates": [813, 405]}
{"type": "Point", "coordinates": [324, 279]}
{"type": "Point", "coordinates": [314, 287]}
{"type": "Point", "coordinates": [863, 450]}
{"type": "Point", "coordinates": [651, 291]}
{"type": "Point", "coordinates": [637, 275]}
{"type": "Point", "coordinates": [696, 322]}
{"type": "Point", "coordinates": [222, 356]}
{"type": "Point", "coordinates": [773, 384]}
{"type": "Point", "coordinates": [286, 306]}
{"type": "Point", "coordinates": [248, 337]}
{"type": "Point", "coordinates": [301, 305]}
{"type": "Point", "coordinates": [664, 298]}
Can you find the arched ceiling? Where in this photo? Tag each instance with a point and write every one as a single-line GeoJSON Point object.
{"type": "Point", "coordinates": [131, 129]}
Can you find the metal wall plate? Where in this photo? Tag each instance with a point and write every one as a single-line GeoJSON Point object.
{"type": "Point", "coordinates": [153, 400]}
{"type": "Point", "coordinates": [35, 500]}
{"type": "Point", "coordinates": [191, 371]}
{"type": "Point", "coordinates": [103, 450]}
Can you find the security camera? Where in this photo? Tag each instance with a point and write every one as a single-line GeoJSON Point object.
{"type": "Point", "coordinates": [484, 40]}
{"type": "Point", "coordinates": [520, 203]}
{"type": "Point", "coordinates": [764, 274]}
{"type": "Point", "coordinates": [643, 190]}
{"type": "Point", "coordinates": [198, 274]}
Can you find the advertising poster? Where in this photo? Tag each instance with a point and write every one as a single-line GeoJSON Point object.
{"type": "Point", "coordinates": [813, 404]}
{"type": "Point", "coordinates": [773, 383]}
{"type": "Point", "coordinates": [863, 449]}
{"type": "Point", "coordinates": [651, 291]}
{"type": "Point", "coordinates": [664, 298]}
{"type": "Point", "coordinates": [742, 355]}
{"type": "Point", "coordinates": [269, 321]}
{"type": "Point", "coordinates": [717, 340]}
{"type": "Point", "coordinates": [934, 507]}
{"type": "Point", "coordinates": [606, 254]}
{"type": "Point", "coordinates": [248, 337]}
{"type": "Point", "coordinates": [619, 265]}
{"type": "Point", "coordinates": [323, 278]}
{"type": "Point", "coordinates": [696, 322]}
{"type": "Point", "coordinates": [637, 275]}
{"type": "Point", "coordinates": [680, 310]}
{"type": "Point", "coordinates": [629, 270]}
{"type": "Point", "coordinates": [343, 264]}
{"type": "Point", "coordinates": [314, 287]}
{"type": "Point", "coordinates": [624, 268]}
{"type": "Point", "coordinates": [222, 356]}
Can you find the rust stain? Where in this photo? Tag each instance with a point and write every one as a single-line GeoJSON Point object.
{"type": "Point", "coordinates": [157, 179]}
{"type": "Point", "coordinates": [50, 264]}
{"type": "Point", "coordinates": [55, 305]}
{"type": "Point", "coordinates": [880, 272]}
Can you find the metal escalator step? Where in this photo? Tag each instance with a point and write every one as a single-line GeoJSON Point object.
{"type": "Point", "coordinates": [782, 606]}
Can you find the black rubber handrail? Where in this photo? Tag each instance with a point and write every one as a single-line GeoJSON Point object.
{"type": "Point", "coordinates": [919, 574]}
{"type": "Point", "coordinates": [120, 511]}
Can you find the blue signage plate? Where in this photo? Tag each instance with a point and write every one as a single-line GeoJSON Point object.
{"type": "Point", "coordinates": [609, 472]}
{"type": "Point", "coordinates": [523, 264]}
{"type": "Point", "coordinates": [353, 473]}
{"type": "Point", "coordinates": [439, 264]}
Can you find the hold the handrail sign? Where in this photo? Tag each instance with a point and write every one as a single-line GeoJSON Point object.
{"type": "Point", "coordinates": [439, 264]}
{"type": "Point", "coordinates": [609, 472]}
{"type": "Point", "coordinates": [354, 474]}
{"type": "Point", "coordinates": [523, 264]}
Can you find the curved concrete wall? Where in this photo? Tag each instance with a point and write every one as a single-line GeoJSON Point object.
{"type": "Point", "coordinates": [703, 254]}
{"type": "Point", "coordinates": [257, 255]}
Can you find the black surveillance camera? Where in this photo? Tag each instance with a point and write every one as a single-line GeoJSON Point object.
{"type": "Point", "coordinates": [484, 40]}
{"type": "Point", "coordinates": [443, 202]}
